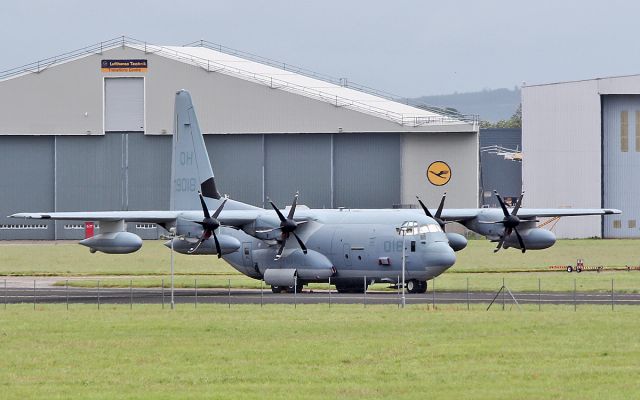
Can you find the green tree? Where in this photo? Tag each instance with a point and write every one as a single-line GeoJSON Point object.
{"type": "Point", "coordinates": [514, 122]}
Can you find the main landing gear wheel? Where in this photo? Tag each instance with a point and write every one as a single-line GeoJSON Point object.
{"type": "Point", "coordinates": [350, 288]}
{"type": "Point", "coordinates": [287, 289]}
{"type": "Point", "coordinates": [416, 286]}
{"type": "Point", "coordinates": [294, 288]}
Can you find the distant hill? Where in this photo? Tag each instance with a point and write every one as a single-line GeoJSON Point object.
{"type": "Point", "coordinates": [491, 104]}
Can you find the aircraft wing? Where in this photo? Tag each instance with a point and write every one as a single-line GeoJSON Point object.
{"type": "Point", "coordinates": [564, 212]}
{"type": "Point", "coordinates": [128, 216]}
{"type": "Point", "coordinates": [231, 218]}
{"type": "Point", "coordinates": [464, 214]}
{"type": "Point", "coordinates": [459, 214]}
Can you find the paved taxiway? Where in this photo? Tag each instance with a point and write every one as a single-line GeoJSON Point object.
{"type": "Point", "coordinates": [251, 296]}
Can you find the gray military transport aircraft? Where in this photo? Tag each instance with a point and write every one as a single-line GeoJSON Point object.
{"type": "Point", "coordinates": [353, 248]}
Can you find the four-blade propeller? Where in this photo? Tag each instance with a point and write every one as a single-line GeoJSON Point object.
{"type": "Point", "coordinates": [510, 222]}
{"type": "Point", "coordinates": [209, 224]}
{"type": "Point", "coordinates": [438, 212]}
{"type": "Point", "coordinates": [287, 226]}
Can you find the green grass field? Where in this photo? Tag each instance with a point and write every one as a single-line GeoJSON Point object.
{"type": "Point", "coordinates": [477, 263]}
{"type": "Point", "coordinates": [316, 352]}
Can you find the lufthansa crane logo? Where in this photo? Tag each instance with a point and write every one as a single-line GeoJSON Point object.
{"type": "Point", "coordinates": [439, 173]}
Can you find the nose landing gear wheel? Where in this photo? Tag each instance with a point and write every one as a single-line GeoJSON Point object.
{"type": "Point", "coordinates": [416, 286]}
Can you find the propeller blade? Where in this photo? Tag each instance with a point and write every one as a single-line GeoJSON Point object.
{"type": "Point", "coordinates": [522, 246]}
{"type": "Point", "coordinates": [441, 206]}
{"type": "Point", "coordinates": [215, 238]}
{"type": "Point", "coordinates": [502, 205]}
{"type": "Point", "coordinates": [202, 239]}
{"type": "Point", "coordinates": [301, 243]}
{"type": "Point", "coordinates": [293, 206]}
{"type": "Point", "coordinates": [518, 203]}
{"type": "Point", "coordinates": [500, 243]}
{"type": "Point", "coordinates": [282, 219]}
{"type": "Point", "coordinates": [267, 230]}
{"type": "Point", "coordinates": [426, 210]}
{"type": "Point", "coordinates": [281, 249]}
{"type": "Point", "coordinates": [217, 212]}
{"type": "Point", "coordinates": [205, 210]}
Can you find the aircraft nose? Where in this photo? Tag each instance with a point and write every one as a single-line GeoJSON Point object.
{"type": "Point", "coordinates": [440, 254]}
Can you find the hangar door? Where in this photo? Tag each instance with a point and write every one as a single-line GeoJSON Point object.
{"type": "Point", "coordinates": [124, 104]}
{"type": "Point", "coordinates": [621, 164]}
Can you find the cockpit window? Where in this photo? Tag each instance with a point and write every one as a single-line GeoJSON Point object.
{"type": "Point", "coordinates": [429, 228]}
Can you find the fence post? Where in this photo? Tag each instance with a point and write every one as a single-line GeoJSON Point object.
{"type": "Point", "coordinates": [195, 283]}
{"type": "Point", "coordinates": [131, 294]}
{"type": "Point", "coordinates": [468, 307]}
{"type": "Point", "coordinates": [329, 292]}
{"type": "Point", "coordinates": [98, 294]}
{"type": "Point", "coordinates": [398, 287]}
{"type": "Point", "coordinates": [539, 296]}
{"type": "Point", "coordinates": [433, 282]}
{"type": "Point", "coordinates": [503, 287]}
{"type": "Point", "coordinates": [364, 301]}
{"type": "Point", "coordinates": [162, 292]}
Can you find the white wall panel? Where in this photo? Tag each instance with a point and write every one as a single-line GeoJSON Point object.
{"type": "Point", "coordinates": [561, 144]}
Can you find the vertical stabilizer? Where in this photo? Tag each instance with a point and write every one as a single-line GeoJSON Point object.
{"type": "Point", "coordinates": [191, 169]}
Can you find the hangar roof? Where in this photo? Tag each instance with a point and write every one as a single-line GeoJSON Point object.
{"type": "Point", "coordinates": [280, 76]}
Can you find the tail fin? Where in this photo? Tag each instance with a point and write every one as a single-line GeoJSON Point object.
{"type": "Point", "coordinates": [191, 169]}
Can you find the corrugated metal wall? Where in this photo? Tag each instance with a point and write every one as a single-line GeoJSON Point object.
{"type": "Point", "coordinates": [298, 163]}
{"type": "Point", "coordinates": [497, 172]}
{"type": "Point", "coordinates": [26, 183]}
{"type": "Point", "coordinates": [366, 170]}
{"type": "Point", "coordinates": [621, 164]}
{"type": "Point", "coordinates": [561, 142]}
{"type": "Point", "coordinates": [132, 171]}
{"type": "Point", "coordinates": [237, 162]}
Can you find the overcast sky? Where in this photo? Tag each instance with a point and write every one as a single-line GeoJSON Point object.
{"type": "Point", "coordinates": [409, 48]}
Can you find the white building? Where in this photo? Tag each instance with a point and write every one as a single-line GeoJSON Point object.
{"type": "Point", "coordinates": [581, 144]}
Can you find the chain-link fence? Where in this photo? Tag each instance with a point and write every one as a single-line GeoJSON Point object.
{"type": "Point", "coordinates": [464, 292]}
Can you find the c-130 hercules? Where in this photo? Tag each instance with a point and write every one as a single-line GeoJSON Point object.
{"type": "Point", "coordinates": [353, 248]}
{"type": "Point", "coordinates": [345, 246]}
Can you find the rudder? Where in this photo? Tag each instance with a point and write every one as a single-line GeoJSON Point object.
{"type": "Point", "coordinates": [191, 168]}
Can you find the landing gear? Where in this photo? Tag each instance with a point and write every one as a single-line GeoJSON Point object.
{"type": "Point", "coordinates": [287, 289]}
{"type": "Point", "coordinates": [350, 288]}
{"type": "Point", "coordinates": [416, 286]}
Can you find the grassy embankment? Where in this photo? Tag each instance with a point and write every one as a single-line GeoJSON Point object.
{"type": "Point", "coordinates": [313, 352]}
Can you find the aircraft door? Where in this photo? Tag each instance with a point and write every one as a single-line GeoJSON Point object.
{"type": "Point", "coordinates": [247, 257]}
{"type": "Point", "coordinates": [347, 254]}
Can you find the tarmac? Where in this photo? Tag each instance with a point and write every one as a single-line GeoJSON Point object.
{"type": "Point", "coordinates": [21, 290]}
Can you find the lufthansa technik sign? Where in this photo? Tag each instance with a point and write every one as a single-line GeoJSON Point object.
{"type": "Point", "coordinates": [124, 65]}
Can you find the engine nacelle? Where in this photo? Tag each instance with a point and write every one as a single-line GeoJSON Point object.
{"type": "Point", "coordinates": [456, 241]}
{"type": "Point", "coordinates": [310, 267]}
{"type": "Point", "coordinates": [113, 243]}
{"type": "Point", "coordinates": [280, 277]}
{"type": "Point", "coordinates": [534, 239]}
{"type": "Point", "coordinates": [228, 244]}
